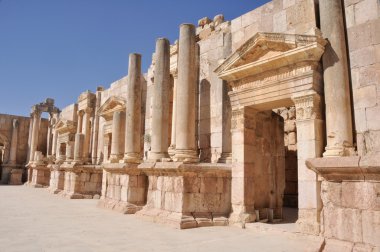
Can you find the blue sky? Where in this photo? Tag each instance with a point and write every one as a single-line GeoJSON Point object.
{"type": "Point", "coordinates": [60, 48]}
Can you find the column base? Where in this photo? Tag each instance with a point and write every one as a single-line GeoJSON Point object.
{"type": "Point", "coordinates": [158, 157]}
{"type": "Point", "coordinates": [115, 158]}
{"type": "Point", "coordinates": [225, 158]}
{"type": "Point", "coordinates": [186, 156]}
{"type": "Point", "coordinates": [171, 151]}
{"type": "Point", "coordinates": [133, 158]}
{"type": "Point", "coordinates": [339, 151]}
{"type": "Point", "coordinates": [241, 216]}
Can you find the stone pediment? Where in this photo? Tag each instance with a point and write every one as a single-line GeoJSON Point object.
{"type": "Point", "coordinates": [113, 104]}
{"type": "Point", "coordinates": [63, 126]}
{"type": "Point", "coordinates": [269, 51]}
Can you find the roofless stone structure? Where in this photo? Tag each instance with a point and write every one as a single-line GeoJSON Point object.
{"type": "Point", "coordinates": [231, 123]}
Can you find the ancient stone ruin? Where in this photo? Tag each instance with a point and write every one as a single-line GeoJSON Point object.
{"type": "Point", "coordinates": [279, 107]}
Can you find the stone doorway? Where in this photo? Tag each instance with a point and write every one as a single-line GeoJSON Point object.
{"type": "Point", "coordinates": [269, 71]}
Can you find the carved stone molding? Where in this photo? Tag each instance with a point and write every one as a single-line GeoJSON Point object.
{"type": "Point", "coordinates": [308, 107]}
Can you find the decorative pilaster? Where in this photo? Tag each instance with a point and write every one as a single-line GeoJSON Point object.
{"type": "Point", "coordinates": [86, 129]}
{"type": "Point", "coordinates": [171, 149]}
{"type": "Point", "coordinates": [310, 139]}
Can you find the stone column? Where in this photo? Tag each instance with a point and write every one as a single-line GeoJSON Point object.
{"type": "Point", "coordinates": [36, 128]}
{"type": "Point", "coordinates": [80, 121]}
{"type": "Point", "coordinates": [133, 111]}
{"type": "Point", "coordinates": [186, 93]}
{"type": "Point", "coordinates": [310, 134]}
{"type": "Point", "coordinates": [86, 130]}
{"type": "Point", "coordinates": [30, 137]}
{"type": "Point", "coordinates": [54, 142]}
{"type": "Point", "coordinates": [96, 126]}
{"type": "Point", "coordinates": [13, 152]}
{"type": "Point", "coordinates": [49, 135]}
{"type": "Point", "coordinates": [78, 147]}
{"type": "Point", "coordinates": [116, 154]}
{"type": "Point", "coordinates": [173, 133]}
{"type": "Point", "coordinates": [79, 139]}
{"type": "Point", "coordinates": [226, 156]}
{"type": "Point", "coordinates": [336, 80]}
{"type": "Point", "coordinates": [160, 115]}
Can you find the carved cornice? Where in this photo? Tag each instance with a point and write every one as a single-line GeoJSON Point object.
{"type": "Point", "coordinates": [270, 51]}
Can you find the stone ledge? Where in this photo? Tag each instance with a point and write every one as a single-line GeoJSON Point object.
{"type": "Point", "coordinates": [180, 168]}
{"type": "Point", "coordinates": [183, 220]}
{"type": "Point", "coordinates": [118, 206]}
{"type": "Point", "coordinates": [128, 168]}
{"type": "Point", "coordinates": [354, 168]}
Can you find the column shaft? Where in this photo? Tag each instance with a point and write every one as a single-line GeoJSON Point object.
{"type": "Point", "coordinates": [87, 134]}
{"type": "Point", "coordinates": [133, 111]}
{"type": "Point", "coordinates": [173, 126]}
{"type": "Point", "coordinates": [115, 143]}
{"type": "Point", "coordinates": [36, 128]}
{"type": "Point", "coordinates": [30, 137]}
{"type": "Point", "coordinates": [13, 152]}
{"type": "Point", "coordinates": [336, 80]}
{"type": "Point", "coordinates": [54, 143]}
{"type": "Point", "coordinates": [160, 115]}
{"type": "Point", "coordinates": [186, 96]}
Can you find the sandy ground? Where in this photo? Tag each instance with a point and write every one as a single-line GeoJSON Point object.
{"type": "Point", "coordinates": [35, 220]}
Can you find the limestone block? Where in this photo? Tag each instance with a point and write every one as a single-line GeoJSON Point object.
{"type": "Point", "coordinates": [251, 17]}
{"type": "Point", "coordinates": [357, 34]}
{"type": "Point", "coordinates": [236, 24]}
{"type": "Point", "coordinates": [290, 126]}
{"type": "Point", "coordinates": [309, 149]}
{"type": "Point", "coordinates": [305, 191]}
{"type": "Point", "coordinates": [361, 247]}
{"type": "Point", "coordinates": [173, 202]}
{"type": "Point", "coordinates": [375, 36]}
{"type": "Point", "coordinates": [363, 57]}
{"type": "Point", "coordinates": [292, 138]}
{"type": "Point", "coordinates": [191, 184]}
{"type": "Point", "coordinates": [373, 118]}
{"type": "Point", "coordinates": [204, 21]}
{"type": "Point", "coordinates": [360, 120]}
{"type": "Point", "coordinates": [371, 227]}
{"type": "Point", "coordinates": [361, 195]}
{"type": "Point", "coordinates": [365, 97]}
{"type": "Point", "coordinates": [343, 224]}
{"type": "Point", "coordinates": [280, 22]}
{"type": "Point", "coordinates": [333, 245]}
{"type": "Point", "coordinates": [124, 193]}
{"type": "Point", "coordinates": [365, 10]}
{"type": "Point", "coordinates": [331, 194]}
{"type": "Point", "coordinates": [288, 3]}
{"type": "Point", "coordinates": [250, 31]}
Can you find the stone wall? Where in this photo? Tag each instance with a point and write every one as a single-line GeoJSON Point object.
{"type": "Point", "coordinates": [283, 16]}
{"type": "Point", "coordinates": [290, 142]}
{"type": "Point", "coordinates": [351, 213]}
{"type": "Point", "coordinates": [363, 26]}
{"type": "Point", "coordinates": [6, 126]}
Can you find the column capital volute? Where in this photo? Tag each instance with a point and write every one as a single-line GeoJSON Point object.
{"type": "Point", "coordinates": [80, 113]}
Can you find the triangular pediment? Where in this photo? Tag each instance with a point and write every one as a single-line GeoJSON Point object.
{"type": "Point", "coordinates": [65, 126]}
{"type": "Point", "coordinates": [114, 103]}
{"type": "Point", "coordinates": [268, 51]}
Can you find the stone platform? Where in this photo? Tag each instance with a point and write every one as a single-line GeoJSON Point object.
{"type": "Point", "coordinates": [124, 188]}
{"type": "Point", "coordinates": [57, 178]}
{"type": "Point", "coordinates": [80, 181]}
{"type": "Point", "coordinates": [187, 195]}
{"type": "Point", "coordinates": [38, 175]}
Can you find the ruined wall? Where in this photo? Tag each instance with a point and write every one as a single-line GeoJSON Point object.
{"type": "Point", "coordinates": [283, 16]}
{"type": "Point", "coordinates": [363, 33]}
{"type": "Point", "coordinates": [6, 127]}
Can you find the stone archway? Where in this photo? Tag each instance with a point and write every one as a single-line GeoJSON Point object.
{"type": "Point", "coordinates": [269, 71]}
